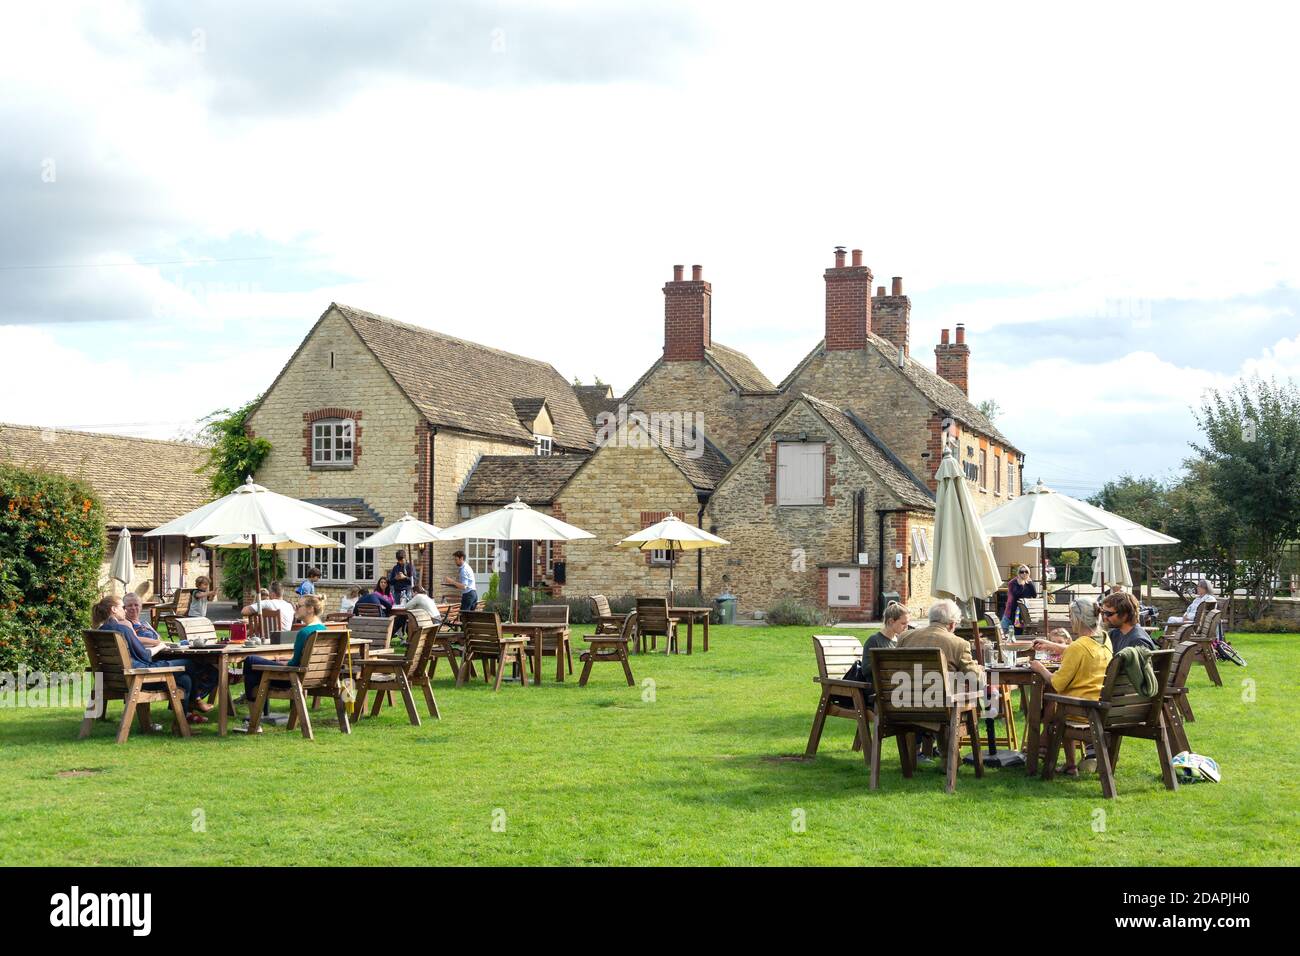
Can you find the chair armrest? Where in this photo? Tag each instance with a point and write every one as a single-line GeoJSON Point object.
{"type": "Point", "coordinates": [280, 668]}
{"type": "Point", "coordinates": [606, 638]}
{"type": "Point", "coordinates": [841, 682]}
{"type": "Point", "coordinates": [129, 672]}
{"type": "Point", "coordinates": [375, 663]}
{"type": "Point", "coordinates": [1081, 702]}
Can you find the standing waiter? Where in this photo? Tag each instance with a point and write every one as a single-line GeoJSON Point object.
{"type": "Point", "coordinates": [463, 582]}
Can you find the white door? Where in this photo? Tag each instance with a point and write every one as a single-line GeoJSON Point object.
{"type": "Point", "coordinates": [486, 556]}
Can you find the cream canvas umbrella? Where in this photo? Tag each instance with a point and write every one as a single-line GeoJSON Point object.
{"type": "Point", "coordinates": [514, 523]}
{"type": "Point", "coordinates": [407, 529]}
{"type": "Point", "coordinates": [672, 535]}
{"type": "Point", "coordinates": [1110, 564]}
{"type": "Point", "coordinates": [963, 567]}
{"type": "Point", "coordinates": [287, 541]}
{"type": "Point", "coordinates": [255, 511]}
{"type": "Point", "coordinates": [1119, 533]}
{"type": "Point", "coordinates": [123, 563]}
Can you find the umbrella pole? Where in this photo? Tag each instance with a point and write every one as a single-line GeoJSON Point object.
{"type": "Point", "coordinates": [990, 723]}
{"type": "Point", "coordinates": [672, 566]}
{"type": "Point", "coordinates": [514, 582]}
{"type": "Point", "coordinates": [257, 580]}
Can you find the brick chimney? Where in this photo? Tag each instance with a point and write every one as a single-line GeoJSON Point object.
{"type": "Point", "coordinates": [848, 303]}
{"type": "Point", "coordinates": [952, 359]}
{"type": "Point", "coordinates": [687, 316]}
{"type": "Point", "coordinates": [891, 315]}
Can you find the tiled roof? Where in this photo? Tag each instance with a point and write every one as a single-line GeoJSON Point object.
{"type": "Point", "coordinates": [362, 514]}
{"type": "Point", "coordinates": [497, 479]}
{"type": "Point", "coordinates": [527, 409]}
{"type": "Point", "coordinates": [703, 471]}
{"type": "Point", "coordinates": [936, 389]}
{"type": "Point", "coordinates": [143, 483]}
{"type": "Point", "coordinates": [739, 368]}
{"type": "Point", "coordinates": [897, 477]}
{"type": "Point", "coordinates": [596, 399]}
{"type": "Point", "coordinates": [469, 386]}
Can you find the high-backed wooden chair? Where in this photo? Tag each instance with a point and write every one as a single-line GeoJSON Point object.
{"type": "Point", "coordinates": [914, 695]}
{"type": "Point", "coordinates": [179, 606]}
{"type": "Point", "coordinates": [835, 655]}
{"type": "Point", "coordinates": [386, 672]}
{"type": "Point", "coordinates": [378, 631]}
{"type": "Point", "coordinates": [652, 621]}
{"type": "Point", "coordinates": [195, 628]}
{"type": "Point", "coordinates": [337, 617]}
{"type": "Point", "coordinates": [136, 687]}
{"type": "Point", "coordinates": [485, 642]}
{"type": "Point", "coordinates": [368, 610]}
{"type": "Point", "coordinates": [1120, 712]}
{"type": "Point", "coordinates": [606, 621]}
{"type": "Point", "coordinates": [554, 642]}
{"type": "Point", "coordinates": [1178, 712]}
{"type": "Point", "coordinates": [1033, 615]}
{"type": "Point", "coordinates": [323, 657]}
{"type": "Point", "coordinates": [609, 647]}
{"type": "Point", "coordinates": [1204, 637]}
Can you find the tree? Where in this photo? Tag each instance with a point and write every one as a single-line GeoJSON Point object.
{"type": "Point", "coordinates": [1070, 559]}
{"type": "Point", "coordinates": [234, 455]}
{"type": "Point", "coordinates": [1251, 455]}
{"type": "Point", "coordinates": [237, 577]}
{"type": "Point", "coordinates": [990, 409]}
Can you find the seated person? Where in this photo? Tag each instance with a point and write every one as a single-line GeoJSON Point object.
{"type": "Point", "coordinates": [274, 601]}
{"type": "Point", "coordinates": [1119, 612]}
{"type": "Point", "coordinates": [892, 627]}
{"type": "Point", "coordinates": [202, 676]}
{"type": "Point", "coordinates": [349, 600]}
{"type": "Point", "coordinates": [944, 617]}
{"type": "Point", "coordinates": [383, 592]}
{"type": "Point", "coordinates": [370, 597]}
{"type": "Point", "coordinates": [203, 593]}
{"type": "Point", "coordinates": [1204, 593]}
{"type": "Point", "coordinates": [109, 615]}
{"type": "Point", "coordinates": [1083, 666]}
{"type": "Point", "coordinates": [309, 607]}
{"type": "Point", "coordinates": [1056, 641]}
{"type": "Point", "coordinates": [420, 600]}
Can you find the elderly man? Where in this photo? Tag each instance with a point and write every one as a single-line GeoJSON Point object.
{"type": "Point", "coordinates": [944, 618]}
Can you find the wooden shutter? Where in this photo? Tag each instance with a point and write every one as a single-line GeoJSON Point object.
{"type": "Point", "coordinates": [800, 473]}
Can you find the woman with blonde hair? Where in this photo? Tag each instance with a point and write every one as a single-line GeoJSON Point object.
{"type": "Point", "coordinates": [1083, 665]}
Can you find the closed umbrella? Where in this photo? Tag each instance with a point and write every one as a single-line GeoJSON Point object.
{"type": "Point", "coordinates": [123, 563]}
{"type": "Point", "coordinates": [514, 523]}
{"type": "Point", "coordinates": [254, 511]}
{"type": "Point", "coordinates": [672, 534]}
{"type": "Point", "coordinates": [963, 567]}
{"type": "Point", "coordinates": [1110, 564]}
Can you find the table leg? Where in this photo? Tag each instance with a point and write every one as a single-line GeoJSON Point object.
{"type": "Point", "coordinates": [690, 633]}
{"type": "Point", "coordinates": [537, 657]}
{"type": "Point", "coordinates": [223, 695]}
{"type": "Point", "coordinates": [1034, 717]}
{"type": "Point", "coordinates": [706, 635]}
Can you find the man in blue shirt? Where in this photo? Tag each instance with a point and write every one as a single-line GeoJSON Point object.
{"type": "Point", "coordinates": [464, 582]}
{"type": "Point", "coordinates": [309, 585]}
{"type": "Point", "coordinates": [369, 597]}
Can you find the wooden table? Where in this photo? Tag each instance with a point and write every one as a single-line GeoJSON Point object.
{"type": "Point", "coordinates": [533, 631]}
{"type": "Point", "coordinates": [222, 657]}
{"type": "Point", "coordinates": [1032, 685]}
{"type": "Point", "coordinates": [690, 615]}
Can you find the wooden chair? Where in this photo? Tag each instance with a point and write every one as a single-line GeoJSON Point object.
{"type": "Point", "coordinates": [931, 705]}
{"type": "Point", "coordinates": [448, 645]}
{"type": "Point", "coordinates": [337, 617]}
{"type": "Point", "coordinates": [835, 655]}
{"type": "Point", "coordinates": [387, 672]}
{"type": "Point", "coordinates": [1033, 615]}
{"type": "Point", "coordinates": [609, 647]}
{"type": "Point", "coordinates": [606, 621]}
{"type": "Point", "coordinates": [368, 610]}
{"type": "Point", "coordinates": [322, 661]}
{"type": "Point", "coordinates": [1120, 712]}
{"type": "Point", "coordinates": [266, 622]}
{"type": "Point", "coordinates": [485, 642]}
{"type": "Point", "coordinates": [652, 621]}
{"type": "Point", "coordinates": [136, 687]}
{"type": "Point", "coordinates": [556, 642]}
{"type": "Point", "coordinates": [1184, 631]}
{"type": "Point", "coordinates": [1203, 637]}
{"type": "Point", "coordinates": [179, 606]}
{"type": "Point", "coordinates": [378, 631]}
{"type": "Point", "coordinates": [1178, 712]}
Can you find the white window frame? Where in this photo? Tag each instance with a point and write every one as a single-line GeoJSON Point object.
{"type": "Point", "coordinates": [794, 488]}
{"type": "Point", "coordinates": [543, 446]}
{"type": "Point", "coordinates": [333, 562]}
{"type": "Point", "coordinates": [660, 556]}
{"type": "Point", "coordinates": [480, 555]}
{"type": "Point", "coordinates": [334, 442]}
{"type": "Point", "coordinates": [982, 465]}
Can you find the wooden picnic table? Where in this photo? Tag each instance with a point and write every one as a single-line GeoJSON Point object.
{"type": "Point", "coordinates": [223, 656]}
{"type": "Point", "coordinates": [532, 631]}
{"type": "Point", "coordinates": [1031, 685]}
{"type": "Point", "coordinates": [691, 615]}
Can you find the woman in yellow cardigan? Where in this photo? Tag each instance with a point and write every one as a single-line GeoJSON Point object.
{"type": "Point", "coordinates": [1083, 665]}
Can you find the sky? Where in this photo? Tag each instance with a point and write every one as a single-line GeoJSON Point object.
{"type": "Point", "coordinates": [1104, 195]}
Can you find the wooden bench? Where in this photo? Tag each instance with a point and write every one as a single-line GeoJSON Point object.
{"type": "Point", "coordinates": [609, 647]}
{"type": "Point", "coordinates": [1120, 712]}
{"type": "Point", "coordinates": [485, 642]}
{"type": "Point", "coordinates": [322, 662]}
{"type": "Point", "coordinates": [835, 655]}
{"type": "Point", "coordinates": [921, 673]}
{"type": "Point", "coordinates": [387, 672]}
{"type": "Point", "coordinates": [1203, 634]}
{"type": "Point", "coordinates": [136, 687]}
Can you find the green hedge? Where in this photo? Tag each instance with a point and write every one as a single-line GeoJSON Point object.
{"type": "Point", "coordinates": [52, 541]}
{"type": "Point", "coordinates": [581, 610]}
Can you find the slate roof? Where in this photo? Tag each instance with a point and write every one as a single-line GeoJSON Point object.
{"type": "Point", "coordinates": [740, 368]}
{"type": "Point", "coordinates": [461, 384]}
{"type": "Point", "coordinates": [537, 479]}
{"type": "Point", "coordinates": [703, 471]}
{"type": "Point", "coordinates": [362, 514]}
{"type": "Point", "coordinates": [897, 477]}
{"type": "Point", "coordinates": [142, 482]}
{"type": "Point", "coordinates": [596, 399]}
{"type": "Point", "coordinates": [527, 409]}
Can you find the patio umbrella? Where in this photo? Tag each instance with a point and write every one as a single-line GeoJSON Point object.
{"type": "Point", "coordinates": [672, 535]}
{"type": "Point", "coordinates": [1110, 564]}
{"type": "Point", "coordinates": [514, 523]}
{"type": "Point", "coordinates": [1119, 532]}
{"type": "Point", "coordinates": [963, 567]}
{"type": "Point", "coordinates": [407, 529]}
{"type": "Point", "coordinates": [254, 511]}
{"type": "Point", "coordinates": [1040, 511]}
{"type": "Point", "coordinates": [120, 569]}
{"type": "Point", "coordinates": [288, 541]}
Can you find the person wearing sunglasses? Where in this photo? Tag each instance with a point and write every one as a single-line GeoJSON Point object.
{"type": "Point", "coordinates": [1119, 613]}
{"type": "Point", "coordinates": [1018, 587]}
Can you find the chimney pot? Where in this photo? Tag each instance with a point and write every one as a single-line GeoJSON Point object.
{"type": "Point", "coordinates": [678, 272]}
{"type": "Point", "coordinates": [943, 337]}
{"type": "Point", "coordinates": [857, 257]}
{"type": "Point", "coordinates": [961, 333]}
{"type": "Point", "coordinates": [697, 273]}
{"type": "Point", "coordinates": [898, 286]}
{"type": "Point", "coordinates": [839, 257]}
{"type": "Point", "coordinates": [880, 290]}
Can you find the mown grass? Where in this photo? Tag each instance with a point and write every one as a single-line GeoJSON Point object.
{"type": "Point", "coordinates": [602, 775]}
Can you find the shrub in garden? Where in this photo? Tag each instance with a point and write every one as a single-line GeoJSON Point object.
{"type": "Point", "coordinates": [789, 612]}
{"type": "Point", "coordinates": [52, 541]}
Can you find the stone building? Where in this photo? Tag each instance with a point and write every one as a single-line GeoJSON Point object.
{"type": "Point", "coordinates": [142, 483]}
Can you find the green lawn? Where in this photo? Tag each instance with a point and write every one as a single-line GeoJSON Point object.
{"type": "Point", "coordinates": [598, 775]}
